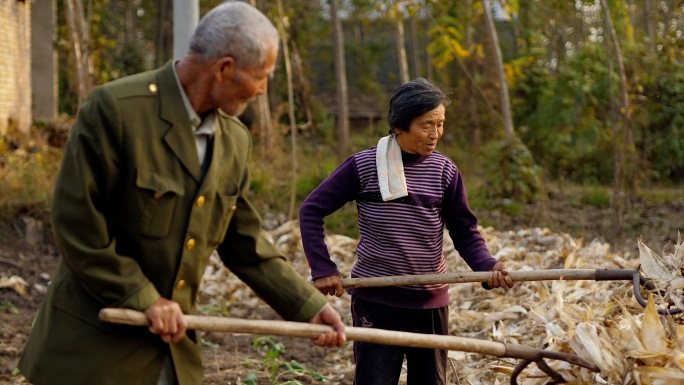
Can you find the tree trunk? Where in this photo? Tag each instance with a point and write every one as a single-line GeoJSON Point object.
{"type": "Point", "coordinates": [291, 102]}
{"type": "Point", "coordinates": [415, 49]}
{"type": "Point", "coordinates": [617, 199]}
{"type": "Point", "coordinates": [626, 115]}
{"type": "Point", "coordinates": [428, 59]}
{"type": "Point", "coordinates": [648, 16]}
{"type": "Point", "coordinates": [129, 23]}
{"type": "Point", "coordinates": [163, 38]}
{"type": "Point", "coordinates": [341, 80]}
{"type": "Point", "coordinates": [264, 122]}
{"type": "Point", "coordinates": [303, 91]}
{"type": "Point", "coordinates": [401, 50]}
{"type": "Point", "coordinates": [629, 163]}
{"type": "Point", "coordinates": [503, 85]}
{"type": "Point", "coordinates": [475, 130]}
{"type": "Point", "coordinates": [80, 41]}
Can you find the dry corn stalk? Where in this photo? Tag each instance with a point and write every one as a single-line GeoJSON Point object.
{"type": "Point", "coordinates": [556, 315]}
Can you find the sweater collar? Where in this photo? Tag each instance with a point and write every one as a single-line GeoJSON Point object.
{"type": "Point", "coordinates": [412, 158]}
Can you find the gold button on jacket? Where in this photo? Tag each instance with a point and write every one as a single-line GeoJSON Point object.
{"type": "Point", "coordinates": [190, 244]}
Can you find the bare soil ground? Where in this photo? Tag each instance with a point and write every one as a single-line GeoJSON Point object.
{"type": "Point", "coordinates": [229, 359]}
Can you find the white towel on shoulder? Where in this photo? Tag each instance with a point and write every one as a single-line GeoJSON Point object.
{"type": "Point", "coordinates": [390, 169]}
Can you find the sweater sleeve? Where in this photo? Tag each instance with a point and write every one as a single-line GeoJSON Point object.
{"type": "Point", "coordinates": [338, 189]}
{"type": "Point", "coordinates": [462, 225]}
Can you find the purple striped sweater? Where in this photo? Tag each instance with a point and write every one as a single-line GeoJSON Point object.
{"type": "Point", "coordinates": [399, 237]}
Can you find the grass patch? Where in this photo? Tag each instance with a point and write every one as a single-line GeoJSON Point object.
{"type": "Point", "coordinates": [661, 195]}
{"type": "Point", "coordinates": [27, 175]}
{"type": "Point", "coordinates": [596, 197]}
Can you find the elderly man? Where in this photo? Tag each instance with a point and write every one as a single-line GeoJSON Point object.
{"type": "Point", "coordinates": [154, 179]}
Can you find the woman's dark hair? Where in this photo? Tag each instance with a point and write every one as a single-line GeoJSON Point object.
{"type": "Point", "coordinates": [411, 100]}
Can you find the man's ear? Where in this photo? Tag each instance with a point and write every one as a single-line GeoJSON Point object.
{"type": "Point", "coordinates": [224, 68]}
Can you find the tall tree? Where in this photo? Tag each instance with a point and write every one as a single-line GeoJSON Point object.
{"type": "Point", "coordinates": [341, 81]}
{"type": "Point", "coordinates": [80, 41]}
{"type": "Point", "coordinates": [501, 73]}
{"type": "Point", "coordinates": [471, 89]}
{"type": "Point", "coordinates": [163, 34]}
{"type": "Point", "coordinates": [413, 38]}
{"type": "Point", "coordinates": [648, 20]}
{"type": "Point", "coordinates": [397, 15]}
{"type": "Point", "coordinates": [290, 99]}
{"type": "Point", "coordinates": [264, 121]}
{"type": "Point", "coordinates": [625, 154]}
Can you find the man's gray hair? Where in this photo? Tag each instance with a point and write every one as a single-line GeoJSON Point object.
{"type": "Point", "coordinates": [234, 29]}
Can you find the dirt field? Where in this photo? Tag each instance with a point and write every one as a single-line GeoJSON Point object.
{"type": "Point", "coordinates": [230, 359]}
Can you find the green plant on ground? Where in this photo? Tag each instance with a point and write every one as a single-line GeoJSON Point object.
{"type": "Point", "coordinates": [512, 172]}
{"type": "Point", "coordinates": [9, 307]}
{"type": "Point", "coordinates": [279, 371]}
{"type": "Point", "coordinates": [216, 306]}
{"type": "Point", "coordinates": [27, 175]}
{"type": "Point", "coordinates": [209, 344]}
{"type": "Point", "coordinates": [661, 194]}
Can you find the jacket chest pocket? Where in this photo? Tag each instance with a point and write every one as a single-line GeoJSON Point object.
{"type": "Point", "coordinates": [158, 196]}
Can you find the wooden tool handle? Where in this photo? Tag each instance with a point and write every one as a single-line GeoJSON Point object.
{"type": "Point", "coordinates": [378, 336]}
{"type": "Point", "coordinates": [302, 329]}
{"type": "Point", "coordinates": [480, 276]}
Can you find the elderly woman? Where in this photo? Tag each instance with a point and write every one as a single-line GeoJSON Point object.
{"type": "Point", "coordinates": [406, 192]}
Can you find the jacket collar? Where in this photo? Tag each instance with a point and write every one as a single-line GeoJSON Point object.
{"type": "Point", "coordinates": [179, 136]}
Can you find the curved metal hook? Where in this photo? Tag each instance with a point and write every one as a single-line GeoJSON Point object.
{"type": "Point", "coordinates": [518, 369]}
{"type": "Point", "coordinates": [544, 367]}
{"type": "Point", "coordinates": [639, 280]}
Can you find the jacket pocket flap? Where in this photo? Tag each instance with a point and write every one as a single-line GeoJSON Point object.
{"type": "Point", "coordinates": [158, 183]}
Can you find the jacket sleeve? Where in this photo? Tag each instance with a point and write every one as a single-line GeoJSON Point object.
{"type": "Point", "coordinates": [247, 252]}
{"type": "Point", "coordinates": [83, 191]}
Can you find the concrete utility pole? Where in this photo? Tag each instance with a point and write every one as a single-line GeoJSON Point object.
{"type": "Point", "coordinates": [185, 18]}
{"type": "Point", "coordinates": [44, 60]}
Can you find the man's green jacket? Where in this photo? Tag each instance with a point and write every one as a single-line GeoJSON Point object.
{"type": "Point", "coordinates": [134, 219]}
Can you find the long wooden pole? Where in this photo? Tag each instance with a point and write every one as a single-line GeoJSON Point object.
{"type": "Point", "coordinates": [378, 336]}
{"type": "Point", "coordinates": [307, 330]}
{"type": "Point", "coordinates": [482, 276]}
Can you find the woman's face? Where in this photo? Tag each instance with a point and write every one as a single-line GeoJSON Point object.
{"type": "Point", "coordinates": [424, 132]}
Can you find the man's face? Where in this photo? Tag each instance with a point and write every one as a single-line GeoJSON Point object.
{"type": "Point", "coordinates": [233, 93]}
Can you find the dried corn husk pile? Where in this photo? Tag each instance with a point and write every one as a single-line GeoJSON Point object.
{"type": "Point", "coordinates": [599, 321]}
